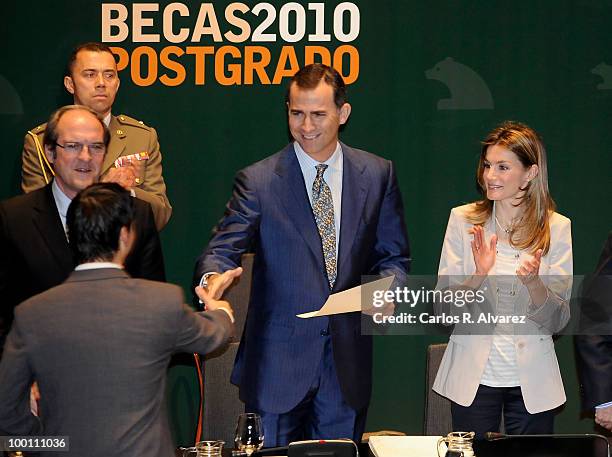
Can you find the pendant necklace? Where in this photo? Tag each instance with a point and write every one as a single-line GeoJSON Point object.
{"type": "Point", "coordinates": [510, 229]}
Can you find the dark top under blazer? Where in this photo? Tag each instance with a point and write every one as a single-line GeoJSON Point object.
{"type": "Point", "coordinates": [99, 346]}
{"type": "Point", "coordinates": [270, 213]}
{"type": "Point", "coordinates": [34, 252]}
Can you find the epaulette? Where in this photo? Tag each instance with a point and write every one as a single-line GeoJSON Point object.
{"type": "Point", "coordinates": [127, 120]}
{"type": "Point", "coordinates": [45, 166]}
{"type": "Point", "coordinates": [39, 129]}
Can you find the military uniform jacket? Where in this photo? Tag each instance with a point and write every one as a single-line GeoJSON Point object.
{"type": "Point", "coordinates": [128, 136]}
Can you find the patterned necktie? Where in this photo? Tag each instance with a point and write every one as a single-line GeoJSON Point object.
{"type": "Point", "coordinates": [323, 209]}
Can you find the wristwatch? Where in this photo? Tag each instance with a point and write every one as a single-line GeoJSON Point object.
{"type": "Point", "coordinates": [205, 276]}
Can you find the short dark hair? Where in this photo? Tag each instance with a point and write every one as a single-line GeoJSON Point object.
{"type": "Point", "coordinates": [93, 46]}
{"type": "Point", "coordinates": [94, 221]}
{"type": "Point", "coordinates": [310, 76]}
{"type": "Point", "coordinates": [51, 135]}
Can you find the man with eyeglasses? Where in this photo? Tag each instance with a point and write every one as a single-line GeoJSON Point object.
{"type": "Point", "coordinates": [133, 158]}
{"type": "Point", "coordinates": [34, 252]}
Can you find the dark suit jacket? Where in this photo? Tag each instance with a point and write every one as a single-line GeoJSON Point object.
{"type": "Point", "coordinates": [594, 352]}
{"type": "Point", "coordinates": [34, 252]}
{"type": "Point", "coordinates": [99, 346]}
{"type": "Point", "coordinates": [270, 212]}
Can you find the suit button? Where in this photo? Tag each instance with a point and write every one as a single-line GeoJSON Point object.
{"type": "Point", "coordinates": [521, 345]}
{"type": "Point", "coordinates": [324, 332]}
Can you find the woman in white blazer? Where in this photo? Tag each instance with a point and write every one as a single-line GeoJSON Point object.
{"type": "Point", "coordinates": [513, 248]}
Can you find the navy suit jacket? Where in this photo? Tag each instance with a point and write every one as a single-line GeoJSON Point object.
{"type": "Point", "coordinates": [594, 352]}
{"type": "Point", "coordinates": [35, 256]}
{"type": "Point", "coordinates": [270, 213]}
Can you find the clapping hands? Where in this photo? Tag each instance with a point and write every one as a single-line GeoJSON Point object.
{"type": "Point", "coordinates": [484, 252]}
{"type": "Point", "coordinates": [529, 270]}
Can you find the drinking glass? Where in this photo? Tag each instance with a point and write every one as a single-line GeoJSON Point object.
{"type": "Point", "coordinates": [204, 449]}
{"type": "Point", "coordinates": [249, 433]}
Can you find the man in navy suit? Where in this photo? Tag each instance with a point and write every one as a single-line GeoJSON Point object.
{"type": "Point", "coordinates": [318, 215]}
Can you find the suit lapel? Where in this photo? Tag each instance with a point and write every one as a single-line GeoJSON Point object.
{"type": "Point", "coordinates": [354, 193]}
{"type": "Point", "coordinates": [295, 200]}
{"type": "Point", "coordinates": [116, 146]}
{"type": "Point", "coordinates": [47, 221]}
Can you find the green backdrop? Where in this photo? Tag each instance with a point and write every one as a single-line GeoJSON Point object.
{"type": "Point", "coordinates": [542, 62]}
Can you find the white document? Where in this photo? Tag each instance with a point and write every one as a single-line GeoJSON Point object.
{"type": "Point", "coordinates": [349, 301]}
{"type": "Point", "coordinates": [405, 446]}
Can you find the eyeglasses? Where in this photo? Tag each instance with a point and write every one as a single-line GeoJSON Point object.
{"type": "Point", "coordinates": [76, 148]}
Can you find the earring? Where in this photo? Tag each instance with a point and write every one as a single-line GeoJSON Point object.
{"type": "Point", "coordinates": [526, 186]}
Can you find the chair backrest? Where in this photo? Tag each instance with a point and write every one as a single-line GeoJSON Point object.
{"type": "Point", "coordinates": [438, 419]}
{"type": "Point", "coordinates": [221, 403]}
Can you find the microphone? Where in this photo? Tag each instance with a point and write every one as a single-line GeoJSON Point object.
{"type": "Point", "coordinates": [496, 436]}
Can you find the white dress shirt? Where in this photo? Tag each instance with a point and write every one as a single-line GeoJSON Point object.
{"type": "Point", "coordinates": [62, 202]}
{"type": "Point", "coordinates": [96, 265]}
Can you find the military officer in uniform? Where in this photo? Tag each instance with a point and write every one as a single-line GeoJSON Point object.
{"type": "Point", "coordinates": [92, 79]}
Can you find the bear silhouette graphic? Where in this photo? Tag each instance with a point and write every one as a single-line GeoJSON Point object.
{"type": "Point", "coordinates": [605, 71]}
{"type": "Point", "coordinates": [11, 101]}
{"type": "Point", "coordinates": [467, 89]}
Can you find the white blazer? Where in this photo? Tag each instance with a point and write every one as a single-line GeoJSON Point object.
{"type": "Point", "coordinates": [464, 361]}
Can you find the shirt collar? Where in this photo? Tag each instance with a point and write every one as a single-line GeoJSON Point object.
{"type": "Point", "coordinates": [61, 200]}
{"type": "Point", "coordinates": [333, 163]}
{"type": "Point", "coordinates": [98, 265]}
{"type": "Point", "coordinates": [107, 119]}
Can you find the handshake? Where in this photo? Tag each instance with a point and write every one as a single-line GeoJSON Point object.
{"type": "Point", "coordinates": [214, 288]}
